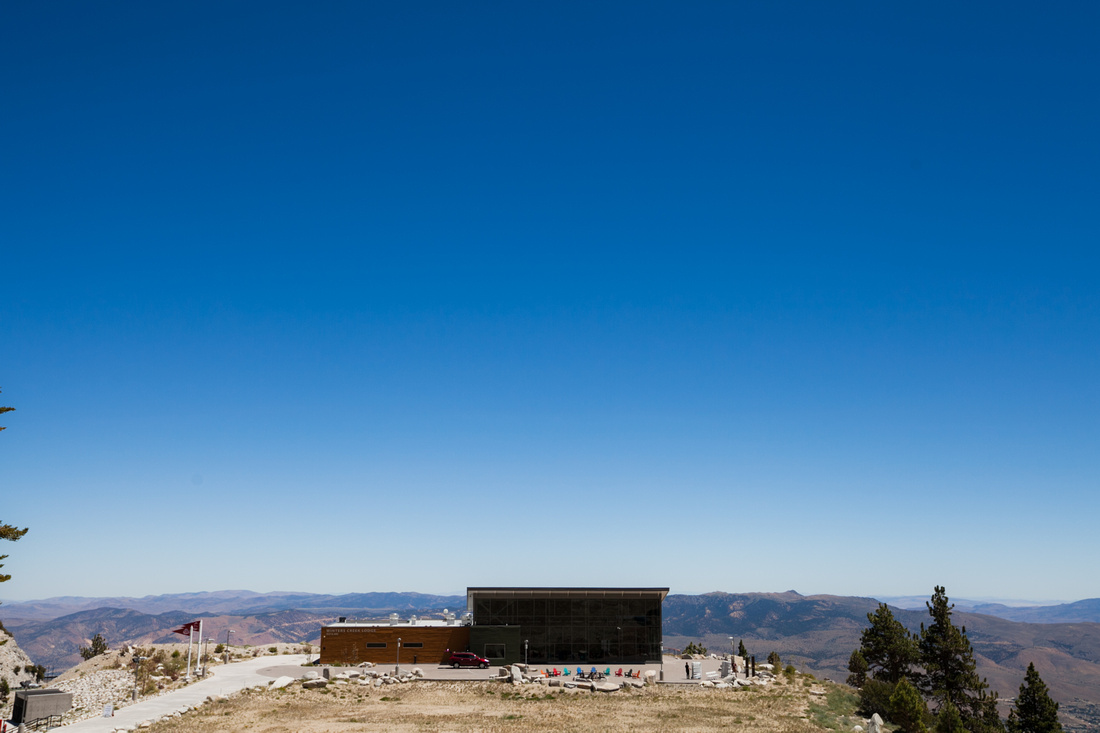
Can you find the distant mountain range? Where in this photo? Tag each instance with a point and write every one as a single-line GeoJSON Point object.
{"type": "Point", "coordinates": [815, 633]}
{"type": "Point", "coordinates": [239, 602]}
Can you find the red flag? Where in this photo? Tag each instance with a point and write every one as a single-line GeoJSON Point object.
{"type": "Point", "coordinates": [186, 629]}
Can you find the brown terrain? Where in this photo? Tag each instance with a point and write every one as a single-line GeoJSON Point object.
{"type": "Point", "coordinates": [798, 706]}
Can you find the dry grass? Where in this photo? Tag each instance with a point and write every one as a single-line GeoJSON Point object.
{"type": "Point", "coordinates": [492, 706]}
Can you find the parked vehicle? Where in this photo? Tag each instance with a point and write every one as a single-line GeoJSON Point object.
{"type": "Point", "coordinates": [466, 659]}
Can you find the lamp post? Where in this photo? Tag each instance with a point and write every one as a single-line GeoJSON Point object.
{"type": "Point", "coordinates": [137, 673]}
{"type": "Point", "coordinates": [205, 655]}
{"type": "Point", "coordinates": [620, 630]}
{"type": "Point", "coordinates": [733, 662]}
{"type": "Point", "coordinates": [397, 669]}
{"type": "Point", "coordinates": [525, 642]}
{"type": "Point", "coordinates": [227, 633]}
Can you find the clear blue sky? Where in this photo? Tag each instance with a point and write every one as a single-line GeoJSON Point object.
{"type": "Point", "coordinates": [411, 296]}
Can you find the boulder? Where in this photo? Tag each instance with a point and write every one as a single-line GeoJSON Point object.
{"type": "Point", "coordinates": [377, 682]}
{"type": "Point", "coordinates": [280, 682]}
{"type": "Point", "coordinates": [876, 724]}
{"type": "Point", "coordinates": [417, 672]}
{"type": "Point", "coordinates": [721, 685]}
{"type": "Point", "coordinates": [554, 682]}
{"type": "Point", "coordinates": [607, 687]}
{"type": "Point", "coordinates": [517, 673]}
{"type": "Point", "coordinates": [314, 684]}
{"type": "Point", "coordinates": [354, 673]}
{"type": "Point", "coordinates": [650, 676]}
{"type": "Point", "coordinates": [310, 675]}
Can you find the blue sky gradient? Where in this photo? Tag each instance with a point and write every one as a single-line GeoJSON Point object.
{"type": "Point", "coordinates": [734, 296]}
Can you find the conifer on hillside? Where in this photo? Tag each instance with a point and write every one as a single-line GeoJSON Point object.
{"type": "Point", "coordinates": [1034, 711]}
{"type": "Point", "coordinates": [950, 672]}
{"type": "Point", "coordinates": [888, 648]}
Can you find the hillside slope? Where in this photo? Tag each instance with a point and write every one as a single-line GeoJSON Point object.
{"type": "Point", "coordinates": [56, 642]}
{"type": "Point", "coordinates": [818, 633]}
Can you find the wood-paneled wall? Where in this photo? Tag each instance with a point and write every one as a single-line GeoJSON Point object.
{"type": "Point", "coordinates": [349, 644]}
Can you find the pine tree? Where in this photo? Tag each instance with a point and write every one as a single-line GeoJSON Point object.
{"type": "Point", "coordinates": [950, 672]}
{"type": "Point", "coordinates": [99, 646]}
{"type": "Point", "coordinates": [907, 708]}
{"type": "Point", "coordinates": [774, 660]}
{"type": "Point", "coordinates": [857, 665]}
{"type": "Point", "coordinates": [949, 720]}
{"type": "Point", "coordinates": [1034, 711]}
{"type": "Point", "coordinates": [888, 648]}
{"type": "Point", "coordinates": [7, 531]}
{"type": "Point", "coordinates": [741, 652]}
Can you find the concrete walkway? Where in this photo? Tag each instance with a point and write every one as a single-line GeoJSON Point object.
{"type": "Point", "coordinates": [224, 680]}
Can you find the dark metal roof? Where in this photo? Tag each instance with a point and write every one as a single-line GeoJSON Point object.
{"type": "Point", "coordinates": [505, 592]}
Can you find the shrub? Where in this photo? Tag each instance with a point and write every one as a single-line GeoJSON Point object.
{"type": "Point", "coordinates": [907, 708]}
{"type": "Point", "coordinates": [773, 660]}
{"type": "Point", "coordinates": [273, 649]}
{"type": "Point", "coordinates": [693, 648]}
{"type": "Point", "coordinates": [99, 646]}
{"type": "Point", "coordinates": [874, 697]}
{"type": "Point", "coordinates": [5, 690]}
{"type": "Point", "coordinates": [219, 649]}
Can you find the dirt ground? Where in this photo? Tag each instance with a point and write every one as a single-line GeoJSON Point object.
{"type": "Point", "coordinates": [493, 706]}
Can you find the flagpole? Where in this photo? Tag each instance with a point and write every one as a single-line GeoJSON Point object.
{"type": "Point", "coordinates": [190, 636]}
{"type": "Point", "coordinates": [199, 655]}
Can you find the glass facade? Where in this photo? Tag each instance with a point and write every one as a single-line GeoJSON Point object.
{"type": "Point", "coordinates": [562, 625]}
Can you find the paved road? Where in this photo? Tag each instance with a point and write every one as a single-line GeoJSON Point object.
{"type": "Point", "coordinates": [224, 680]}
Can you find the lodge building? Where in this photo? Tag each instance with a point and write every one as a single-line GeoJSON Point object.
{"type": "Point", "coordinates": [505, 625]}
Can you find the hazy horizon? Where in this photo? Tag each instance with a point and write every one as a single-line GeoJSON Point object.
{"type": "Point", "coordinates": [881, 597]}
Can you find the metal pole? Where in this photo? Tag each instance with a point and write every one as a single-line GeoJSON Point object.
{"type": "Point", "coordinates": [227, 633]}
{"type": "Point", "coordinates": [525, 663]}
{"type": "Point", "coordinates": [397, 669]}
{"type": "Point", "coordinates": [620, 630]}
{"type": "Point", "coordinates": [190, 638]}
{"type": "Point", "coordinates": [137, 672]}
{"type": "Point", "coordinates": [198, 646]}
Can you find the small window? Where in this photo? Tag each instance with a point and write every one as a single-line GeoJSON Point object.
{"type": "Point", "coordinates": [414, 645]}
{"type": "Point", "coordinates": [494, 651]}
{"type": "Point", "coordinates": [376, 645]}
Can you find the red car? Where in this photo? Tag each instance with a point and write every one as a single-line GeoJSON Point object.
{"type": "Point", "coordinates": [466, 659]}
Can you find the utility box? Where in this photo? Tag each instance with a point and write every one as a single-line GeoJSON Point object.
{"type": "Point", "coordinates": [32, 705]}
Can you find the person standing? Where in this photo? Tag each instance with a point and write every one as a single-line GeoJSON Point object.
{"type": "Point", "coordinates": [687, 670]}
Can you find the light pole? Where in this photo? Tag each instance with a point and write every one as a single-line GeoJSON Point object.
{"type": "Point", "coordinates": [397, 669]}
{"type": "Point", "coordinates": [205, 655]}
{"type": "Point", "coordinates": [525, 642]}
{"type": "Point", "coordinates": [227, 633]}
{"type": "Point", "coordinates": [620, 630]}
{"type": "Point", "coordinates": [733, 662]}
{"type": "Point", "coordinates": [137, 673]}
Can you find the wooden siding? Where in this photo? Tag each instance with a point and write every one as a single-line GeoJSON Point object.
{"type": "Point", "coordinates": [348, 644]}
